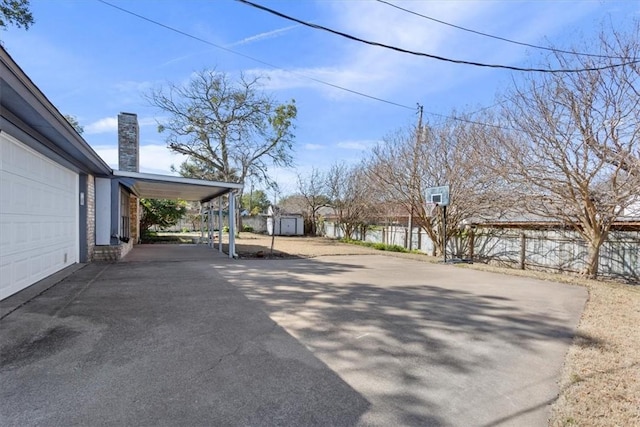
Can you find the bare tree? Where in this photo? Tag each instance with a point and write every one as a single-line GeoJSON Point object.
{"type": "Point", "coordinates": [350, 191]}
{"type": "Point", "coordinates": [313, 189]}
{"type": "Point", "coordinates": [574, 155]}
{"type": "Point", "coordinates": [292, 204]}
{"type": "Point", "coordinates": [412, 160]}
{"type": "Point", "coordinates": [396, 166]}
{"type": "Point", "coordinates": [611, 127]}
{"type": "Point", "coordinates": [229, 129]}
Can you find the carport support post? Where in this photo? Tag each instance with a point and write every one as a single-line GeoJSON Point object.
{"type": "Point", "coordinates": [201, 224]}
{"type": "Point", "coordinates": [210, 241]}
{"type": "Point", "coordinates": [220, 224]}
{"type": "Point", "coordinates": [232, 224]}
{"type": "Point", "coordinates": [214, 225]}
{"type": "Point", "coordinates": [523, 250]}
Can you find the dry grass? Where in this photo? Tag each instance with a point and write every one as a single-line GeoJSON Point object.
{"type": "Point", "coordinates": [601, 378]}
{"type": "Point", "coordinates": [600, 383]}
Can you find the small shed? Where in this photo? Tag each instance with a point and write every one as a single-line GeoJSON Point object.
{"type": "Point", "coordinates": [284, 224]}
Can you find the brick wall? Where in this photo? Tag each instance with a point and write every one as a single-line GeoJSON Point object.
{"type": "Point", "coordinates": [111, 252]}
{"type": "Point", "coordinates": [134, 213]}
{"type": "Point", "coordinates": [128, 142]}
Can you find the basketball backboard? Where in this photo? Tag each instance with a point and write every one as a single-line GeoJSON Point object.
{"type": "Point", "coordinates": [438, 195]}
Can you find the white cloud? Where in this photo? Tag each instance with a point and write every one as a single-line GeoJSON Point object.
{"type": "Point", "coordinates": [108, 153]}
{"type": "Point", "coordinates": [405, 78]}
{"type": "Point", "coordinates": [357, 145]}
{"type": "Point", "coordinates": [345, 77]}
{"type": "Point", "coordinates": [263, 36]}
{"type": "Point", "coordinates": [110, 124]}
{"type": "Point", "coordinates": [107, 124]}
{"type": "Point", "coordinates": [154, 158]}
{"type": "Point", "coordinates": [313, 147]}
{"type": "Point", "coordinates": [372, 70]}
{"type": "Point", "coordinates": [133, 86]}
{"type": "Point", "coordinates": [149, 121]}
{"type": "Point", "coordinates": [157, 158]}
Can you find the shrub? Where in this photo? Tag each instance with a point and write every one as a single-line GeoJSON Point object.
{"type": "Point", "coordinates": [154, 238]}
{"type": "Point", "coordinates": [247, 228]}
{"type": "Point", "coordinates": [377, 246]}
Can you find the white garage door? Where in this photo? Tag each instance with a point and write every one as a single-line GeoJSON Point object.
{"type": "Point", "coordinates": [38, 216]}
{"type": "Point", "coordinates": [288, 226]}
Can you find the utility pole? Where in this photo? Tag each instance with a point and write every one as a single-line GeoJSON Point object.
{"type": "Point", "coordinates": [414, 178]}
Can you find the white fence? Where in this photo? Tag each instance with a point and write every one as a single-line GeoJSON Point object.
{"type": "Point", "coordinates": [257, 222]}
{"type": "Point", "coordinates": [559, 250]}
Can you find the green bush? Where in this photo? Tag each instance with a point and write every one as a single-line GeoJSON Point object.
{"type": "Point", "coordinates": [154, 238]}
{"type": "Point", "coordinates": [225, 229]}
{"type": "Point", "coordinates": [247, 228]}
{"type": "Point", "coordinates": [377, 246]}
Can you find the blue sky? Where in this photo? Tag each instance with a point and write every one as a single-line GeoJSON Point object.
{"type": "Point", "coordinates": [94, 61]}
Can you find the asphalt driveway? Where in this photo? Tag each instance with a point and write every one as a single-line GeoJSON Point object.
{"type": "Point", "coordinates": [425, 344]}
{"type": "Point", "coordinates": [183, 336]}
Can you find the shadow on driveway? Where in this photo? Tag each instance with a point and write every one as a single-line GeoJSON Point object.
{"type": "Point", "coordinates": [153, 342]}
{"type": "Point", "coordinates": [185, 336]}
{"type": "Point", "coordinates": [426, 344]}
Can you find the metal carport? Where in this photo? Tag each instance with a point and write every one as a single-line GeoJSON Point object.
{"type": "Point", "coordinates": [152, 186]}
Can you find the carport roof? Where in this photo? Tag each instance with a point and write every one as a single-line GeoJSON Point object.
{"type": "Point", "coordinates": [154, 186]}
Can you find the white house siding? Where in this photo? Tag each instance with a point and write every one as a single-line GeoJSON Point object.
{"type": "Point", "coordinates": [91, 215]}
{"type": "Point", "coordinates": [103, 211]}
{"type": "Point", "coordinates": [39, 216]}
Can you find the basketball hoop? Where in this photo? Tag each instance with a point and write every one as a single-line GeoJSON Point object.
{"type": "Point", "coordinates": [430, 208]}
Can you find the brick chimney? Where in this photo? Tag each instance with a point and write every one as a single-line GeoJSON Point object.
{"type": "Point", "coordinates": [128, 142]}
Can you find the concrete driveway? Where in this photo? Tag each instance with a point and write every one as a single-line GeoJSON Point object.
{"type": "Point", "coordinates": [184, 336]}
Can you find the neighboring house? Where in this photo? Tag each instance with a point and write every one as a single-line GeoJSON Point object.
{"type": "Point", "coordinates": [60, 203]}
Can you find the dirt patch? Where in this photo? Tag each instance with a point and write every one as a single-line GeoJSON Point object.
{"type": "Point", "coordinates": [251, 245]}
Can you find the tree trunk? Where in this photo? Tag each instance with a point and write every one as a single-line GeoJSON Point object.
{"type": "Point", "coordinates": [313, 229]}
{"type": "Point", "coordinates": [591, 270]}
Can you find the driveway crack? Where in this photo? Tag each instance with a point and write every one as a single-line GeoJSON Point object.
{"type": "Point", "coordinates": [235, 351]}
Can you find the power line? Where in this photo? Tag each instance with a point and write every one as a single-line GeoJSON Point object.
{"type": "Point", "coordinates": [497, 37]}
{"type": "Point", "coordinates": [473, 122]}
{"type": "Point", "coordinates": [428, 55]}
{"type": "Point", "coordinates": [175, 30]}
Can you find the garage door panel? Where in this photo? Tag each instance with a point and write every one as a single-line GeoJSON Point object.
{"type": "Point", "coordinates": [29, 232]}
{"type": "Point", "coordinates": [38, 216]}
